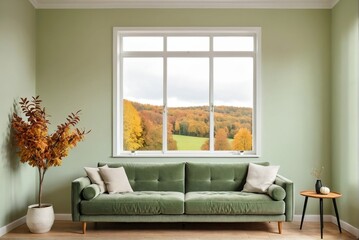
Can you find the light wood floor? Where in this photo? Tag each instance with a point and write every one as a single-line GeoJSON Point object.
{"type": "Point", "coordinates": [177, 231]}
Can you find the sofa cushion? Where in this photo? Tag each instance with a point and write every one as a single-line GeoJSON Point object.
{"type": "Point", "coordinates": [232, 203]}
{"type": "Point", "coordinates": [91, 191]}
{"type": "Point", "coordinates": [135, 203]}
{"type": "Point", "coordinates": [259, 178]}
{"type": "Point", "coordinates": [116, 180]}
{"type": "Point", "coordinates": [153, 176]}
{"type": "Point", "coordinates": [276, 192]}
{"type": "Point", "coordinates": [95, 177]}
{"type": "Point", "coordinates": [216, 176]}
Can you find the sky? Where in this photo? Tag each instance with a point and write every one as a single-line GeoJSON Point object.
{"type": "Point", "coordinates": [188, 78]}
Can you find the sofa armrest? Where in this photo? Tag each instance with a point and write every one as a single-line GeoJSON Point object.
{"type": "Point", "coordinates": [289, 199]}
{"type": "Point", "coordinates": [76, 188]}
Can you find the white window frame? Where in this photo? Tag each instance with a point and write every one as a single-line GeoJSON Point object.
{"type": "Point", "coordinates": [118, 32]}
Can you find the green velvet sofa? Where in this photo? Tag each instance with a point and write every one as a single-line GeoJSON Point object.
{"type": "Point", "coordinates": [184, 192]}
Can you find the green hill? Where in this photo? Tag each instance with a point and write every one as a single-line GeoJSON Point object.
{"type": "Point", "coordinates": [188, 142]}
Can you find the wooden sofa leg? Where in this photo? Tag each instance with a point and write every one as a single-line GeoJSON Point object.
{"type": "Point", "coordinates": [84, 227]}
{"type": "Point", "coordinates": [280, 225]}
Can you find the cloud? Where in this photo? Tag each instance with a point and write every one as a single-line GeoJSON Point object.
{"type": "Point", "coordinates": [188, 81]}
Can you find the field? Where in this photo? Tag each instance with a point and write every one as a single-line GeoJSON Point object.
{"type": "Point", "coordinates": [189, 143]}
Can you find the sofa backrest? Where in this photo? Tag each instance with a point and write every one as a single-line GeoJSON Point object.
{"type": "Point", "coordinates": [216, 176]}
{"type": "Point", "coordinates": [153, 176]}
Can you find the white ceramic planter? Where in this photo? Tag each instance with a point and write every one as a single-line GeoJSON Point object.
{"type": "Point", "coordinates": [40, 220]}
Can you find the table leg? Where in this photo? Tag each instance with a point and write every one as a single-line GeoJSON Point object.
{"type": "Point", "coordinates": [321, 217]}
{"type": "Point", "coordinates": [337, 214]}
{"type": "Point", "coordinates": [304, 208]}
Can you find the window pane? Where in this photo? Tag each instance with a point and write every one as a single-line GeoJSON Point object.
{"type": "Point", "coordinates": [188, 43]}
{"type": "Point", "coordinates": [233, 44]}
{"type": "Point", "coordinates": [188, 102]}
{"type": "Point", "coordinates": [142, 101]}
{"type": "Point", "coordinates": [142, 43]}
{"type": "Point", "coordinates": [233, 100]}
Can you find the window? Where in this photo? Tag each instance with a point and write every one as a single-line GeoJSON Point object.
{"type": "Point", "coordinates": [186, 92]}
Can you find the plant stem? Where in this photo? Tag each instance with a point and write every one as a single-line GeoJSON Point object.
{"type": "Point", "coordinates": [41, 180]}
{"type": "Point", "coordinates": [40, 188]}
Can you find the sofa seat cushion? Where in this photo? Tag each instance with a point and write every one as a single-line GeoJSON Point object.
{"type": "Point", "coordinates": [135, 203]}
{"type": "Point", "coordinates": [232, 203]}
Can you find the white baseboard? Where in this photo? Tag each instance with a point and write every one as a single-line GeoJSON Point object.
{"type": "Point", "coordinates": [346, 226]}
{"type": "Point", "coordinates": [329, 218]}
{"type": "Point", "coordinates": [7, 228]}
{"type": "Point", "coordinates": [297, 218]}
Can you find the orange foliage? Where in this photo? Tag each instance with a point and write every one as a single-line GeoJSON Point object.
{"type": "Point", "coordinates": [205, 145]}
{"type": "Point", "coordinates": [242, 140]}
{"type": "Point", "coordinates": [38, 148]}
{"type": "Point", "coordinates": [221, 141]}
{"type": "Point", "coordinates": [133, 139]}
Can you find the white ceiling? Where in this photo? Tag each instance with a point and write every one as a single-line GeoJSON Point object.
{"type": "Point", "coordinates": [269, 4]}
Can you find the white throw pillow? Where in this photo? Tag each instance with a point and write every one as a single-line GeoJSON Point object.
{"type": "Point", "coordinates": [260, 178]}
{"type": "Point", "coordinates": [116, 180]}
{"type": "Point", "coordinates": [95, 177]}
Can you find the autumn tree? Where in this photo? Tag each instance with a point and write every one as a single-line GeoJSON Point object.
{"type": "Point", "coordinates": [132, 136]}
{"type": "Point", "coordinates": [235, 126]}
{"type": "Point", "coordinates": [176, 127]}
{"type": "Point", "coordinates": [183, 128]}
{"type": "Point", "coordinates": [171, 143]}
{"type": "Point", "coordinates": [152, 131]}
{"type": "Point", "coordinates": [242, 140]}
{"type": "Point", "coordinates": [205, 145]}
{"type": "Point", "coordinates": [152, 135]}
{"type": "Point", "coordinates": [221, 141]}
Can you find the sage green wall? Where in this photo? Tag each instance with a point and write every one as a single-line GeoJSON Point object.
{"type": "Point", "coordinates": [345, 92]}
{"type": "Point", "coordinates": [17, 77]}
{"type": "Point", "coordinates": [74, 71]}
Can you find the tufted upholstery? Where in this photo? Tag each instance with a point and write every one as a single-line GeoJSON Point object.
{"type": "Point", "coordinates": [212, 194]}
{"type": "Point", "coordinates": [216, 176]}
{"type": "Point", "coordinates": [144, 203]}
{"type": "Point", "coordinates": [233, 202]}
{"type": "Point", "coordinates": [153, 176]}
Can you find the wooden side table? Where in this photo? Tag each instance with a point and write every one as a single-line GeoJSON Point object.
{"type": "Point", "coordinates": [312, 194]}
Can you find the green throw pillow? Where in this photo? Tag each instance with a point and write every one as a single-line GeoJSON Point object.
{"type": "Point", "coordinates": [91, 191]}
{"type": "Point", "coordinates": [276, 192]}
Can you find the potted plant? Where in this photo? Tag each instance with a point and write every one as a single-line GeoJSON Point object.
{"type": "Point", "coordinates": [317, 173]}
{"type": "Point", "coordinates": [42, 150]}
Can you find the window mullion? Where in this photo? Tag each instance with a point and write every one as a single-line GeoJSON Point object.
{"type": "Point", "coordinates": [165, 110]}
{"type": "Point", "coordinates": [211, 98]}
{"type": "Point", "coordinates": [120, 102]}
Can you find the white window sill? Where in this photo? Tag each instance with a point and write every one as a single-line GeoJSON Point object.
{"type": "Point", "coordinates": [185, 155]}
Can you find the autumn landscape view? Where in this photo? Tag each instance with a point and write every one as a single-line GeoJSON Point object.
{"type": "Point", "coordinates": [187, 127]}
